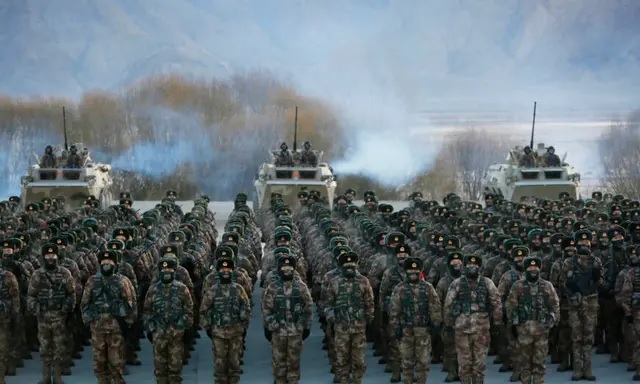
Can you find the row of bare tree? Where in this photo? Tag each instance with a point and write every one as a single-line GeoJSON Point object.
{"type": "Point", "coordinates": [209, 136]}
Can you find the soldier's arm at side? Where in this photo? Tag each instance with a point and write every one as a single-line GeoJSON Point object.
{"type": "Point", "coordinates": [554, 302]}
{"type": "Point", "coordinates": [496, 303]}
{"type": "Point", "coordinates": [369, 302]}
{"type": "Point", "coordinates": [504, 285]}
{"type": "Point", "coordinates": [147, 307]}
{"type": "Point", "coordinates": [395, 310]}
{"type": "Point", "coordinates": [14, 293]}
{"type": "Point", "coordinates": [129, 296]}
{"type": "Point", "coordinates": [434, 305]}
{"type": "Point", "coordinates": [32, 293]}
{"type": "Point", "coordinates": [205, 305]}
{"type": "Point", "coordinates": [308, 305]}
{"type": "Point", "coordinates": [187, 304]}
{"type": "Point", "coordinates": [247, 304]}
{"type": "Point", "coordinates": [452, 292]}
{"type": "Point", "coordinates": [70, 288]}
{"type": "Point", "coordinates": [626, 293]}
{"type": "Point", "coordinates": [86, 299]}
{"type": "Point", "coordinates": [512, 301]}
{"type": "Point", "coordinates": [267, 305]}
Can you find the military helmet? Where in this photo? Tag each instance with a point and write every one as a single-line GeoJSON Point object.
{"type": "Point", "coordinates": [223, 252]}
{"type": "Point", "coordinates": [583, 235]}
{"type": "Point", "coordinates": [168, 262]}
{"type": "Point", "coordinates": [169, 250]}
{"type": "Point", "coordinates": [116, 245]}
{"type": "Point", "coordinates": [519, 251]}
{"type": "Point", "coordinates": [473, 259]}
{"type": "Point", "coordinates": [337, 251]}
{"type": "Point", "coordinates": [456, 255]}
{"type": "Point", "coordinates": [177, 237]}
{"type": "Point", "coordinates": [451, 241]}
{"type": "Point", "coordinates": [49, 249]}
{"type": "Point", "coordinates": [287, 260]}
{"type": "Point", "coordinates": [233, 237]}
{"type": "Point", "coordinates": [568, 242]}
{"type": "Point", "coordinates": [532, 261]}
{"type": "Point", "coordinates": [403, 248]}
{"type": "Point", "coordinates": [109, 254]}
{"type": "Point", "coordinates": [282, 251]}
{"type": "Point", "coordinates": [413, 263]}
{"type": "Point", "coordinates": [347, 258]}
{"type": "Point", "coordinates": [225, 263]}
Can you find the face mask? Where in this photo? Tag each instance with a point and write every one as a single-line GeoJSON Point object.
{"type": "Point", "coordinates": [225, 277]}
{"type": "Point", "coordinates": [401, 261]}
{"type": "Point", "coordinates": [603, 244]}
{"type": "Point", "coordinates": [585, 247]}
{"type": "Point", "coordinates": [455, 271]}
{"type": "Point", "coordinates": [532, 276]}
{"type": "Point", "coordinates": [414, 277]}
{"type": "Point", "coordinates": [634, 260]}
{"type": "Point", "coordinates": [472, 272]}
{"type": "Point", "coordinates": [617, 243]}
{"type": "Point", "coordinates": [546, 248]}
{"type": "Point", "coordinates": [519, 266]}
{"type": "Point", "coordinates": [286, 274]}
{"type": "Point", "coordinates": [50, 263]}
{"type": "Point", "coordinates": [167, 277]}
{"type": "Point", "coordinates": [348, 272]}
{"type": "Point", "coordinates": [107, 269]}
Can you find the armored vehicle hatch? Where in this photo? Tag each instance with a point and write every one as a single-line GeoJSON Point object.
{"type": "Point", "coordinates": [289, 180]}
{"type": "Point", "coordinates": [72, 175]}
{"type": "Point", "coordinates": [515, 181]}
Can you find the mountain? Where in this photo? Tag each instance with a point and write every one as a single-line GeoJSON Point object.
{"type": "Point", "coordinates": [409, 50]}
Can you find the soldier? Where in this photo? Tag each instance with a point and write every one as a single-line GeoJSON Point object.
{"type": "Point", "coordinates": [527, 160]}
{"type": "Point", "coordinates": [286, 315]}
{"type": "Point", "coordinates": [49, 159]}
{"type": "Point", "coordinates": [307, 156]}
{"type": "Point", "coordinates": [168, 311]}
{"type": "Point", "coordinates": [581, 278]}
{"type": "Point", "coordinates": [74, 160]}
{"type": "Point", "coordinates": [110, 308]}
{"type": "Point", "coordinates": [349, 308]}
{"type": "Point", "coordinates": [533, 307]}
{"type": "Point", "coordinates": [551, 159]}
{"type": "Point", "coordinates": [224, 314]}
{"type": "Point", "coordinates": [10, 304]}
{"type": "Point", "coordinates": [470, 300]}
{"type": "Point", "coordinates": [630, 303]}
{"type": "Point", "coordinates": [51, 298]}
{"type": "Point", "coordinates": [415, 313]}
{"type": "Point", "coordinates": [450, 361]}
{"type": "Point", "coordinates": [284, 159]}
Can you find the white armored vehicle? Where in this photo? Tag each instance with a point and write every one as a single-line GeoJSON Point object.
{"type": "Point", "coordinates": [515, 181]}
{"type": "Point", "coordinates": [72, 176]}
{"type": "Point", "coordinates": [290, 179]}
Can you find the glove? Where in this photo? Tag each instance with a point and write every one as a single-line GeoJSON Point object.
{"type": "Point", "coordinates": [209, 334]}
{"type": "Point", "coordinates": [398, 334]}
{"type": "Point", "coordinates": [267, 334]}
{"type": "Point", "coordinates": [124, 327]}
{"type": "Point", "coordinates": [150, 337]}
{"type": "Point", "coordinates": [629, 319]}
{"type": "Point", "coordinates": [306, 334]}
{"type": "Point", "coordinates": [436, 329]}
{"type": "Point", "coordinates": [550, 321]}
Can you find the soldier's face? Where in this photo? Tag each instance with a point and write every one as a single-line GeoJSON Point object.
{"type": "Point", "coordinates": [7, 251]}
{"type": "Point", "coordinates": [50, 257]}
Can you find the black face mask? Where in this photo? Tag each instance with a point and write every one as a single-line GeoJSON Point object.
{"type": "Point", "coordinates": [286, 275]}
{"type": "Point", "coordinates": [532, 276]}
{"type": "Point", "coordinates": [519, 266]}
{"type": "Point", "coordinates": [535, 247]}
{"type": "Point", "coordinates": [50, 264]}
{"type": "Point", "coordinates": [348, 272]}
{"type": "Point", "coordinates": [584, 247]}
{"type": "Point", "coordinates": [401, 261]}
{"type": "Point", "coordinates": [472, 272]}
{"type": "Point", "coordinates": [617, 244]}
{"type": "Point", "coordinates": [634, 260]}
{"type": "Point", "coordinates": [603, 244]}
{"type": "Point", "coordinates": [167, 277]}
{"type": "Point", "coordinates": [455, 271]}
{"type": "Point", "coordinates": [225, 277]}
{"type": "Point", "coordinates": [107, 269]}
{"type": "Point", "coordinates": [413, 277]}
{"type": "Point", "coordinates": [546, 248]}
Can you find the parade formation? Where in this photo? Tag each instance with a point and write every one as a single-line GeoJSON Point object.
{"type": "Point", "coordinates": [438, 284]}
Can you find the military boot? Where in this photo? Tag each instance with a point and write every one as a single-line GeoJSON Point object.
{"type": "Point", "coordinates": [538, 379]}
{"type": "Point", "coordinates": [46, 374]}
{"type": "Point", "coordinates": [452, 374]}
{"type": "Point", "coordinates": [577, 370]}
{"type": "Point", "coordinates": [524, 379]}
{"type": "Point", "coordinates": [636, 376]}
{"type": "Point", "coordinates": [478, 380]}
{"type": "Point", "coordinates": [57, 375]}
{"type": "Point", "coordinates": [162, 380]}
{"type": "Point", "coordinates": [396, 377]}
{"type": "Point", "coordinates": [515, 376]}
{"type": "Point", "coordinates": [420, 379]}
{"type": "Point", "coordinates": [587, 373]}
{"type": "Point", "coordinates": [466, 380]}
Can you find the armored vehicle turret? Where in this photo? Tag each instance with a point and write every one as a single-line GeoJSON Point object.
{"type": "Point", "coordinates": [537, 174]}
{"type": "Point", "coordinates": [289, 177]}
{"type": "Point", "coordinates": [68, 173]}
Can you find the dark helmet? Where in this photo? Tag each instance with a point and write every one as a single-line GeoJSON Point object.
{"type": "Point", "coordinates": [551, 149]}
{"type": "Point", "coordinates": [307, 144]}
{"type": "Point", "coordinates": [527, 149]}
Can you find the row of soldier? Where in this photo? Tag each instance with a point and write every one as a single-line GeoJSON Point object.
{"type": "Point", "coordinates": [546, 269]}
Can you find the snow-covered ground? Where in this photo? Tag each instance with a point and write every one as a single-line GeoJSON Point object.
{"type": "Point", "coordinates": [257, 368]}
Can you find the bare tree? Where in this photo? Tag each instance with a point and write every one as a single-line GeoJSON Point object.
{"type": "Point", "coordinates": [471, 153]}
{"type": "Point", "coordinates": [620, 152]}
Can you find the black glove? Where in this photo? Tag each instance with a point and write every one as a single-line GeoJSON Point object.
{"type": "Point", "coordinates": [436, 329]}
{"type": "Point", "coordinates": [124, 327]}
{"type": "Point", "coordinates": [306, 334]}
{"type": "Point", "coordinates": [629, 319]}
{"type": "Point", "coordinates": [150, 337]}
{"type": "Point", "coordinates": [595, 274]}
{"type": "Point", "coordinates": [267, 334]}
{"type": "Point", "coordinates": [398, 334]}
{"type": "Point", "coordinates": [209, 334]}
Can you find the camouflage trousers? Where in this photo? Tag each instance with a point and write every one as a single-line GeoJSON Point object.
{"type": "Point", "coordinates": [583, 326]}
{"type": "Point", "coordinates": [393, 349]}
{"type": "Point", "coordinates": [5, 346]}
{"type": "Point", "coordinates": [108, 355]}
{"type": "Point", "coordinates": [226, 359]}
{"type": "Point", "coordinates": [285, 358]}
{"type": "Point", "coordinates": [52, 334]}
{"type": "Point", "coordinates": [349, 349]}
{"type": "Point", "coordinates": [533, 342]}
{"type": "Point", "coordinates": [634, 349]}
{"type": "Point", "coordinates": [472, 349]}
{"type": "Point", "coordinates": [415, 349]}
{"type": "Point", "coordinates": [614, 315]}
{"type": "Point", "coordinates": [450, 359]}
{"type": "Point", "coordinates": [167, 355]}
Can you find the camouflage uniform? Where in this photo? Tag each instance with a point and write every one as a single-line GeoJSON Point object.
{"type": "Point", "coordinates": [533, 308]}
{"type": "Point", "coordinates": [349, 308]}
{"type": "Point", "coordinates": [109, 306]}
{"type": "Point", "coordinates": [469, 303]}
{"type": "Point", "coordinates": [224, 314]}
{"type": "Point", "coordinates": [286, 314]}
{"type": "Point", "coordinates": [629, 299]}
{"type": "Point", "coordinates": [450, 359]}
{"type": "Point", "coordinates": [10, 305]}
{"type": "Point", "coordinates": [415, 310]}
{"type": "Point", "coordinates": [581, 277]}
{"type": "Point", "coordinates": [168, 311]}
{"type": "Point", "coordinates": [51, 298]}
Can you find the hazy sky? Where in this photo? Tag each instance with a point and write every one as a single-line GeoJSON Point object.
{"type": "Point", "coordinates": [379, 62]}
